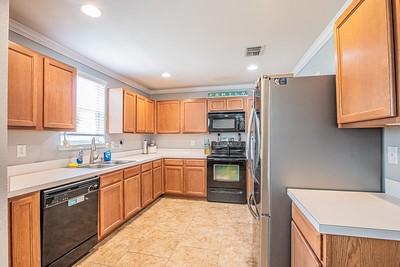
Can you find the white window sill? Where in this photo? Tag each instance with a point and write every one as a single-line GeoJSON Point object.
{"type": "Point", "coordinates": [79, 147]}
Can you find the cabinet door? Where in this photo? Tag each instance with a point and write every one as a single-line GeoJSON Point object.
{"type": "Point", "coordinates": [132, 196]}
{"type": "Point", "coordinates": [140, 114]}
{"type": "Point", "coordinates": [150, 116]}
{"type": "Point", "coordinates": [147, 188]}
{"type": "Point", "coordinates": [24, 87]}
{"type": "Point", "coordinates": [235, 103]}
{"type": "Point", "coordinates": [111, 208]}
{"type": "Point", "coordinates": [216, 105]}
{"type": "Point", "coordinates": [195, 181]}
{"type": "Point", "coordinates": [59, 96]}
{"type": "Point", "coordinates": [302, 254]}
{"type": "Point", "coordinates": [194, 116]}
{"type": "Point", "coordinates": [25, 230]}
{"type": "Point", "coordinates": [173, 176]}
{"type": "Point", "coordinates": [365, 62]}
{"type": "Point", "coordinates": [168, 116]}
{"type": "Point", "coordinates": [129, 112]}
{"type": "Point", "coordinates": [157, 182]}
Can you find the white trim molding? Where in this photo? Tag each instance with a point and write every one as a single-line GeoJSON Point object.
{"type": "Point", "coordinates": [39, 38]}
{"type": "Point", "coordinates": [322, 39]}
{"type": "Point", "coordinates": [246, 86]}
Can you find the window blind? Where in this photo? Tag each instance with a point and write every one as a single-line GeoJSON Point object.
{"type": "Point", "coordinates": [90, 111]}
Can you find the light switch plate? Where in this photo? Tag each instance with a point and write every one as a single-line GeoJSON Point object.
{"type": "Point", "coordinates": [393, 155]}
{"type": "Point", "coordinates": [21, 151]}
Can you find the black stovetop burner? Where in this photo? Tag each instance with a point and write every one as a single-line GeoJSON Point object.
{"type": "Point", "coordinates": [228, 149]}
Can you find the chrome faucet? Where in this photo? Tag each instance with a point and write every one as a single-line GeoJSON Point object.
{"type": "Point", "coordinates": [93, 152]}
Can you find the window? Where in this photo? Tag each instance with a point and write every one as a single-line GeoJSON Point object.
{"type": "Point", "coordinates": [90, 112]}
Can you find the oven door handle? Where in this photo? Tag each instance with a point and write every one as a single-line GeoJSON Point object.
{"type": "Point", "coordinates": [238, 160]}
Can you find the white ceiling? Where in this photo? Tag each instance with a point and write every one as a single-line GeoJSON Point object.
{"type": "Point", "coordinates": [200, 42]}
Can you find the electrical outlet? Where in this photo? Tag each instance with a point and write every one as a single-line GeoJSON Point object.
{"type": "Point", "coordinates": [21, 151]}
{"type": "Point", "coordinates": [393, 155]}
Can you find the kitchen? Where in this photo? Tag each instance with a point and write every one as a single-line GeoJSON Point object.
{"type": "Point", "coordinates": [144, 157]}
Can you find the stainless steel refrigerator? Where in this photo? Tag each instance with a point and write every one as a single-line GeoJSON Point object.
{"type": "Point", "coordinates": [293, 141]}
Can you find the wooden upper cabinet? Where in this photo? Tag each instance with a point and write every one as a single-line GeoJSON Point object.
{"type": "Point", "coordinates": [129, 112]}
{"type": "Point", "coordinates": [140, 114]}
{"type": "Point", "coordinates": [216, 104]}
{"type": "Point", "coordinates": [302, 254]}
{"type": "Point", "coordinates": [25, 230]}
{"type": "Point", "coordinates": [59, 95]}
{"type": "Point", "coordinates": [235, 103]}
{"type": "Point", "coordinates": [168, 116]}
{"type": "Point", "coordinates": [24, 87]}
{"type": "Point", "coordinates": [194, 116]}
{"type": "Point", "coordinates": [226, 104]}
{"type": "Point", "coordinates": [150, 124]}
{"type": "Point", "coordinates": [365, 62]}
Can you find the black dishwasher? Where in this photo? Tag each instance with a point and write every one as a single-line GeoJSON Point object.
{"type": "Point", "coordinates": [69, 222]}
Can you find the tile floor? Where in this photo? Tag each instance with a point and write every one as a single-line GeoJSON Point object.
{"type": "Point", "coordinates": [181, 232]}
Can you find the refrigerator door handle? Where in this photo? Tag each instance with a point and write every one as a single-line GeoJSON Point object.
{"type": "Point", "coordinates": [248, 139]}
{"type": "Point", "coordinates": [257, 140]}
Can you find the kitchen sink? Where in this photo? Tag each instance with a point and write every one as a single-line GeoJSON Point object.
{"type": "Point", "coordinates": [107, 164]}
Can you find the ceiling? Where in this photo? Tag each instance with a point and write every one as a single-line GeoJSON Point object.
{"type": "Point", "coordinates": [200, 42]}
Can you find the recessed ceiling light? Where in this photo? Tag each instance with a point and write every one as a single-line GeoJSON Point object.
{"type": "Point", "coordinates": [252, 67]}
{"type": "Point", "coordinates": [91, 11]}
{"type": "Point", "coordinates": [166, 75]}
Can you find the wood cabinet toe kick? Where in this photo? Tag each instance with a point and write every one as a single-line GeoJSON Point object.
{"type": "Point", "coordinates": [311, 248]}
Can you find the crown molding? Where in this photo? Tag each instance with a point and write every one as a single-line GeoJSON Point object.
{"type": "Point", "coordinates": [37, 37]}
{"type": "Point", "coordinates": [198, 89]}
{"type": "Point", "coordinates": [322, 39]}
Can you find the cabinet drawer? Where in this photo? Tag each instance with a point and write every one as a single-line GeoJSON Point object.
{"type": "Point", "coordinates": [157, 163]}
{"type": "Point", "coordinates": [195, 162]}
{"type": "Point", "coordinates": [132, 171]}
{"type": "Point", "coordinates": [111, 178]}
{"type": "Point", "coordinates": [173, 162]}
{"type": "Point", "coordinates": [313, 237]}
{"type": "Point", "coordinates": [147, 166]}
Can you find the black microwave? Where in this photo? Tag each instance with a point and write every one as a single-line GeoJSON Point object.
{"type": "Point", "coordinates": [226, 122]}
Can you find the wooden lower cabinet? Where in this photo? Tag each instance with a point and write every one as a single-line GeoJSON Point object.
{"type": "Point", "coordinates": [311, 248]}
{"type": "Point", "coordinates": [302, 254]}
{"type": "Point", "coordinates": [195, 178]}
{"type": "Point", "coordinates": [111, 213]}
{"type": "Point", "coordinates": [25, 230]}
{"type": "Point", "coordinates": [132, 196]}
{"type": "Point", "coordinates": [157, 182]}
{"type": "Point", "coordinates": [173, 176]}
{"type": "Point", "coordinates": [147, 188]}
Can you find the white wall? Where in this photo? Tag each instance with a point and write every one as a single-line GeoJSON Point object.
{"type": "Point", "coordinates": [4, 18]}
{"type": "Point", "coordinates": [323, 63]}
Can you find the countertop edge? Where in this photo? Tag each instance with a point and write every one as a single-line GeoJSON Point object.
{"type": "Point", "coordinates": [93, 173]}
{"type": "Point", "coordinates": [344, 230]}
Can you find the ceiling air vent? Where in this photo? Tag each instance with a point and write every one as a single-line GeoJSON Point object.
{"type": "Point", "coordinates": [254, 51]}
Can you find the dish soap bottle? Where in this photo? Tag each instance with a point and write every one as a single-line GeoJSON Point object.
{"type": "Point", "coordinates": [107, 153]}
{"type": "Point", "coordinates": [79, 158]}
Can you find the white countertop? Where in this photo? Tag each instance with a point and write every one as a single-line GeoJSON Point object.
{"type": "Point", "coordinates": [359, 214]}
{"type": "Point", "coordinates": [42, 178]}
